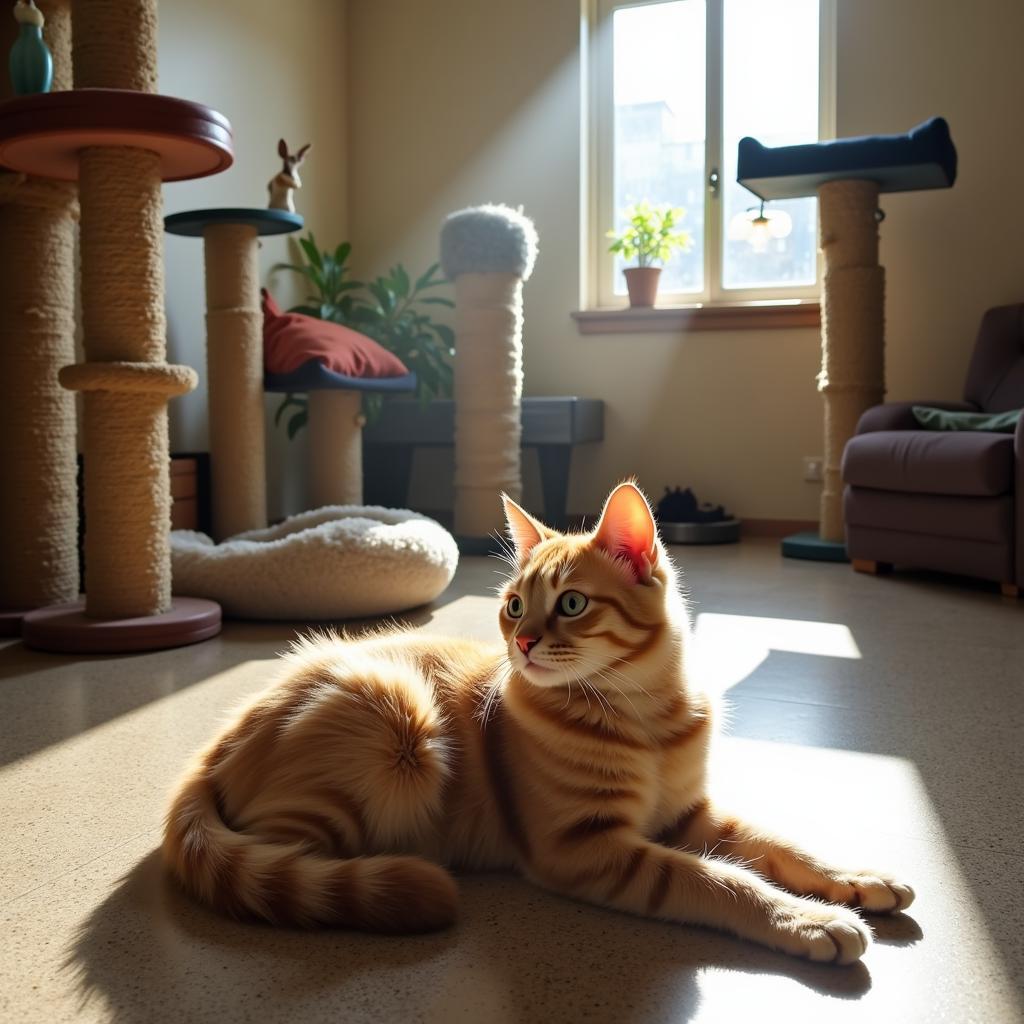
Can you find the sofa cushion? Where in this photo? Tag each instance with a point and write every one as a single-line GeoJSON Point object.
{"type": "Point", "coordinates": [924, 462]}
{"type": "Point", "coordinates": [950, 516]}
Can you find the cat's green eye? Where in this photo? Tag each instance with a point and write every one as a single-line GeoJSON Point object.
{"type": "Point", "coordinates": [514, 607]}
{"type": "Point", "coordinates": [571, 603]}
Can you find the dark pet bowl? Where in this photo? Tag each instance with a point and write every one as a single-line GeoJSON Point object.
{"type": "Point", "coordinates": [725, 531]}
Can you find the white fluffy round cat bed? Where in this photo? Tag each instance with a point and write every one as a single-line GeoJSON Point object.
{"type": "Point", "coordinates": [337, 562]}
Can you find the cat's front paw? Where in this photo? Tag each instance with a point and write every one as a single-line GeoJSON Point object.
{"type": "Point", "coordinates": [874, 893]}
{"type": "Point", "coordinates": [824, 933]}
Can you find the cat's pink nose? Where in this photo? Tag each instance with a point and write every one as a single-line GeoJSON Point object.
{"type": "Point", "coordinates": [525, 642]}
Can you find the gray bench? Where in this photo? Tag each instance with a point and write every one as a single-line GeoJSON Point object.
{"type": "Point", "coordinates": [551, 425]}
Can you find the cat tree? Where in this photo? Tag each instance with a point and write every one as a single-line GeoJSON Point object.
{"type": "Point", "coordinates": [120, 141]}
{"type": "Point", "coordinates": [488, 251]}
{"type": "Point", "coordinates": [38, 498]}
{"type": "Point", "coordinates": [234, 357]}
{"type": "Point", "coordinates": [847, 176]}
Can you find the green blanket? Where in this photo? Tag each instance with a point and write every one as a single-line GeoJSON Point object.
{"type": "Point", "coordinates": [942, 419]}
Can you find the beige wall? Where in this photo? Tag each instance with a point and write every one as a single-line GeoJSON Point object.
{"type": "Point", "coordinates": [274, 70]}
{"type": "Point", "coordinates": [458, 102]}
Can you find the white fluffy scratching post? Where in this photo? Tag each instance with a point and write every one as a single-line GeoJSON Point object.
{"type": "Point", "coordinates": [488, 251]}
{"type": "Point", "coordinates": [852, 377]}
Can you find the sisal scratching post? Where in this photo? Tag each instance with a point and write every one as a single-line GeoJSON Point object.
{"type": "Point", "coordinates": [234, 362]}
{"type": "Point", "coordinates": [488, 251]}
{"type": "Point", "coordinates": [852, 377]}
{"type": "Point", "coordinates": [125, 378]}
{"type": "Point", "coordinates": [38, 495]}
{"type": "Point", "coordinates": [335, 448]}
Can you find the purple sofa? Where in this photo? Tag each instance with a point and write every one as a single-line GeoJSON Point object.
{"type": "Point", "coordinates": [950, 501]}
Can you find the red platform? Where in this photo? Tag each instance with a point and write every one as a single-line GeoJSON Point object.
{"type": "Point", "coordinates": [44, 133]}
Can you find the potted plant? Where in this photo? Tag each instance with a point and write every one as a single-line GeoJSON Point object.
{"type": "Point", "coordinates": [389, 309]}
{"type": "Point", "coordinates": [651, 235]}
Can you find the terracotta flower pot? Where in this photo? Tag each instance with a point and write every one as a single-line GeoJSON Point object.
{"type": "Point", "coordinates": [642, 285]}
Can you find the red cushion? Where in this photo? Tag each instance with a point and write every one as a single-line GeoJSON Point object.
{"type": "Point", "coordinates": [291, 339]}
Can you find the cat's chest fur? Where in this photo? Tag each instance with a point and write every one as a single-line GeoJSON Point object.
{"type": "Point", "coordinates": [571, 764]}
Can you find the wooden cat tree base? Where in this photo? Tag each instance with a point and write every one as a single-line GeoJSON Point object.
{"type": "Point", "coordinates": [66, 629]}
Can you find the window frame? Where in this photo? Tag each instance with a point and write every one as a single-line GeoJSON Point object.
{"type": "Point", "coordinates": [598, 131]}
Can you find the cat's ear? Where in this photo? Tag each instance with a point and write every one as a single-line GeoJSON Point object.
{"type": "Point", "coordinates": [627, 530]}
{"type": "Point", "coordinates": [524, 530]}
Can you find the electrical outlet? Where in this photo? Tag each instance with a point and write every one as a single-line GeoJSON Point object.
{"type": "Point", "coordinates": [814, 466]}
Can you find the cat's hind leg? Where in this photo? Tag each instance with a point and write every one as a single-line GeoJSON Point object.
{"type": "Point", "coordinates": [306, 810]}
{"type": "Point", "coordinates": [369, 746]}
{"type": "Point", "coordinates": [707, 829]}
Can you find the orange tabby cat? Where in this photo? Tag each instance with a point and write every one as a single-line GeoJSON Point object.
{"type": "Point", "coordinates": [574, 752]}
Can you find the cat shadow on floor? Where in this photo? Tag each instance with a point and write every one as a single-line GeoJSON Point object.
{"type": "Point", "coordinates": [149, 953]}
{"type": "Point", "coordinates": [898, 930]}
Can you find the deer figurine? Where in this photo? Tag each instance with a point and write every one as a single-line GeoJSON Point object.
{"type": "Point", "coordinates": [283, 185]}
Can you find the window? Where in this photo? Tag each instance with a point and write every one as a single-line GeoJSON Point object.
{"type": "Point", "coordinates": [675, 85]}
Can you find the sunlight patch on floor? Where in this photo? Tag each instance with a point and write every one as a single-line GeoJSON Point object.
{"type": "Point", "coordinates": [472, 615]}
{"type": "Point", "coordinates": [728, 648]}
{"type": "Point", "coordinates": [782, 787]}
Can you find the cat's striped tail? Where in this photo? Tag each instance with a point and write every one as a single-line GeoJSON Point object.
{"type": "Point", "coordinates": [284, 883]}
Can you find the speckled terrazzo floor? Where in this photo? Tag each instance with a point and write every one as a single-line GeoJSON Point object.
{"type": "Point", "coordinates": [880, 721]}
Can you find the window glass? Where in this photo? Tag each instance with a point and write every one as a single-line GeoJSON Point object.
{"type": "Point", "coordinates": [769, 91]}
{"type": "Point", "coordinates": [659, 95]}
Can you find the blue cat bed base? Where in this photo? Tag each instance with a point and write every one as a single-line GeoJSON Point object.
{"type": "Point", "coordinates": [923, 158]}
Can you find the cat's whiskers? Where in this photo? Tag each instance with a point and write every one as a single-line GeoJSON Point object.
{"type": "Point", "coordinates": [505, 670]}
{"type": "Point", "coordinates": [568, 692]}
{"type": "Point", "coordinates": [604, 673]}
{"type": "Point", "coordinates": [583, 688]}
{"type": "Point", "coordinates": [587, 686]}
{"type": "Point", "coordinates": [506, 553]}
{"type": "Point", "coordinates": [631, 680]}
{"type": "Point", "coordinates": [603, 677]}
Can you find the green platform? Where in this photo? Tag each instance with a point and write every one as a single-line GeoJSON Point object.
{"type": "Point", "coordinates": [810, 546]}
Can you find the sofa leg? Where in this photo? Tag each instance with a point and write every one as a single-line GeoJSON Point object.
{"type": "Point", "coordinates": [1010, 589]}
{"type": "Point", "coordinates": [870, 566]}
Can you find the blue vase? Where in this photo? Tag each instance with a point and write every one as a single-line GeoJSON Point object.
{"type": "Point", "coordinates": [31, 63]}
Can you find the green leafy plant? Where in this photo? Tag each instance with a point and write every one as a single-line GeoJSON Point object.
{"type": "Point", "coordinates": [651, 234]}
{"type": "Point", "coordinates": [390, 309]}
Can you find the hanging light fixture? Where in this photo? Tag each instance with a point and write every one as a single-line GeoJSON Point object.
{"type": "Point", "coordinates": [759, 228]}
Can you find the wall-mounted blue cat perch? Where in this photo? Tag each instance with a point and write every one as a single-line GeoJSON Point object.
{"type": "Point", "coordinates": [847, 176]}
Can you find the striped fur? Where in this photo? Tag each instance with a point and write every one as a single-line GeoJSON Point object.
{"type": "Point", "coordinates": [574, 751]}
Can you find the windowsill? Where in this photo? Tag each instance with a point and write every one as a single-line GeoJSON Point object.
{"type": "Point", "coordinates": [739, 316]}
